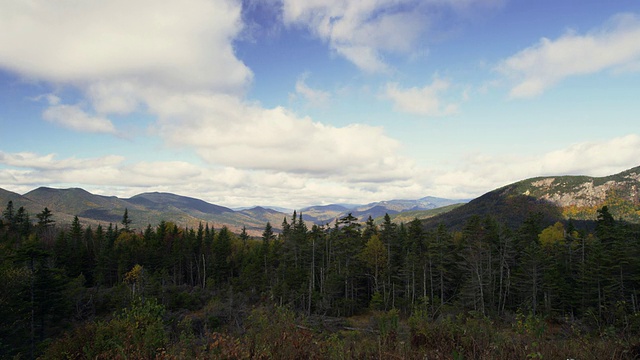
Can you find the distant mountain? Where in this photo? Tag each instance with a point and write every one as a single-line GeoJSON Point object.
{"type": "Point", "coordinates": [410, 215]}
{"type": "Point", "coordinates": [323, 213]}
{"type": "Point", "coordinates": [373, 212]}
{"type": "Point", "coordinates": [18, 200]}
{"type": "Point", "coordinates": [67, 203]}
{"type": "Point", "coordinates": [556, 197]}
{"type": "Point", "coordinates": [276, 208]}
{"type": "Point", "coordinates": [259, 217]}
{"type": "Point", "coordinates": [166, 201]}
{"type": "Point", "coordinates": [150, 208]}
{"type": "Point", "coordinates": [329, 213]}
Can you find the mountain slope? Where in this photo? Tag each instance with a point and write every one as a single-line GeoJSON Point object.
{"type": "Point", "coordinates": [18, 200]}
{"type": "Point", "coordinates": [328, 213]}
{"type": "Point", "coordinates": [409, 215]}
{"type": "Point", "coordinates": [163, 201]}
{"type": "Point", "coordinates": [76, 201]}
{"type": "Point", "coordinates": [556, 197]}
{"type": "Point", "coordinates": [323, 213]}
{"type": "Point", "coordinates": [581, 196]}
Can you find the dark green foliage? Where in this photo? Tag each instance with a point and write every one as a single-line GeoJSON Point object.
{"type": "Point", "coordinates": [453, 293]}
{"type": "Point", "coordinates": [506, 205]}
{"type": "Point", "coordinates": [136, 332]}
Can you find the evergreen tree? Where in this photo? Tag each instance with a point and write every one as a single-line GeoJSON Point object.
{"type": "Point", "coordinates": [8, 216]}
{"type": "Point", "coordinates": [531, 260]}
{"type": "Point", "coordinates": [222, 256]}
{"type": "Point", "coordinates": [126, 222]}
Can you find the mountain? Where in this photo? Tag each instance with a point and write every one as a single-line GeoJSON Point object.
{"type": "Point", "coordinates": [169, 202]}
{"type": "Point", "coordinates": [19, 200]}
{"type": "Point", "coordinates": [409, 215]}
{"type": "Point", "coordinates": [152, 207]}
{"type": "Point", "coordinates": [143, 209]}
{"type": "Point", "coordinates": [556, 197]}
{"type": "Point", "coordinates": [328, 213]}
{"type": "Point", "coordinates": [581, 196]}
{"type": "Point", "coordinates": [66, 203]}
{"type": "Point", "coordinates": [323, 213]}
{"type": "Point", "coordinates": [258, 217]}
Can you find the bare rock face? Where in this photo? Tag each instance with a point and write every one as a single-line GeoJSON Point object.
{"type": "Point", "coordinates": [585, 195]}
{"type": "Point", "coordinates": [582, 192]}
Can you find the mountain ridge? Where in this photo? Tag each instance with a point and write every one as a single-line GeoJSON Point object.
{"type": "Point", "coordinates": [557, 198]}
{"type": "Point", "coordinates": [152, 207]}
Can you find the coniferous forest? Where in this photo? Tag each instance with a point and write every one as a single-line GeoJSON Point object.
{"type": "Point", "coordinates": [348, 290]}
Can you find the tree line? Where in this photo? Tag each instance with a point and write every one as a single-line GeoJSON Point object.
{"type": "Point", "coordinates": [52, 276]}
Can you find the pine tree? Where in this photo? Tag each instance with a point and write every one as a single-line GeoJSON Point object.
{"type": "Point", "coordinates": [126, 222]}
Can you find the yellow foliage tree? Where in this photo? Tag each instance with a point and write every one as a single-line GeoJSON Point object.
{"type": "Point", "coordinates": [374, 256]}
{"type": "Point", "coordinates": [552, 235]}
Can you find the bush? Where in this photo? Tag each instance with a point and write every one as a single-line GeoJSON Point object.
{"type": "Point", "coordinates": [137, 332]}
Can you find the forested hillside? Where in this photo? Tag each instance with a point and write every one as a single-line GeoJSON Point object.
{"type": "Point", "coordinates": [357, 290]}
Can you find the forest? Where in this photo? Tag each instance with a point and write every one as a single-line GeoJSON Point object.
{"type": "Point", "coordinates": [351, 290]}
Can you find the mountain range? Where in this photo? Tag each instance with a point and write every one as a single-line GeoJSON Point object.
{"type": "Point", "coordinates": [556, 197]}
{"type": "Point", "coordinates": [152, 207]}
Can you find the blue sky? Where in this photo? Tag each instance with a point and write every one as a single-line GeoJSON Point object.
{"type": "Point", "coordinates": [292, 103]}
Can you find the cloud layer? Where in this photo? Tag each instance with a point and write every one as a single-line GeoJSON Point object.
{"type": "Point", "coordinates": [177, 63]}
{"type": "Point", "coordinates": [537, 68]}
{"type": "Point", "coordinates": [363, 32]}
{"type": "Point", "coordinates": [230, 186]}
{"type": "Point", "coordinates": [73, 117]}
{"type": "Point", "coordinates": [425, 101]}
{"type": "Point", "coordinates": [161, 43]}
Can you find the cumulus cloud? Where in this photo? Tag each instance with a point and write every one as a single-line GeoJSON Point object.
{"type": "Point", "coordinates": [73, 117]}
{"type": "Point", "coordinates": [226, 130]}
{"type": "Point", "coordinates": [176, 62]}
{"type": "Point", "coordinates": [359, 30]}
{"type": "Point", "coordinates": [314, 97]}
{"type": "Point", "coordinates": [230, 186]}
{"type": "Point", "coordinates": [162, 43]}
{"type": "Point", "coordinates": [479, 173]}
{"type": "Point", "coordinates": [364, 31]}
{"type": "Point", "coordinates": [425, 101]}
{"type": "Point", "coordinates": [114, 97]}
{"type": "Point", "coordinates": [614, 46]}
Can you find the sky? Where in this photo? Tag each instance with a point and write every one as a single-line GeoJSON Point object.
{"type": "Point", "coordinates": [294, 103]}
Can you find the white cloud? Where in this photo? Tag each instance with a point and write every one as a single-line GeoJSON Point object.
{"type": "Point", "coordinates": [474, 175]}
{"type": "Point", "coordinates": [364, 31]}
{"type": "Point", "coordinates": [73, 117]}
{"type": "Point", "coordinates": [615, 46]}
{"type": "Point", "coordinates": [230, 186]}
{"type": "Point", "coordinates": [225, 130]}
{"type": "Point", "coordinates": [114, 97]}
{"type": "Point", "coordinates": [313, 96]}
{"type": "Point", "coordinates": [182, 45]}
{"type": "Point", "coordinates": [227, 186]}
{"type": "Point", "coordinates": [176, 62]}
{"type": "Point", "coordinates": [425, 101]}
{"type": "Point", "coordinates": [359, 30]}
{"type": "Point", "coordinates": [50, 163]}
